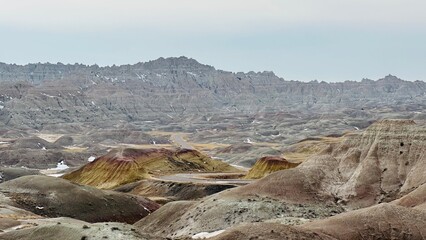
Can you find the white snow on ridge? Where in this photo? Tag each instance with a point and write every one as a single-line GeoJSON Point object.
{"type": "Point", "coordinates": [91, 159]}
{"type": "Point", "coordinates": [204, 235]}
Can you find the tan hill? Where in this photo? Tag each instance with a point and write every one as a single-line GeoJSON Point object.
{"type": "Point", "coordinates": [55, 197]}
{"type": "Point", "coordinates": [269, 164]}
{"type": "Point", "coordinates": [380, 164]}
{"type": "Point", "coordinates": [120, 167]}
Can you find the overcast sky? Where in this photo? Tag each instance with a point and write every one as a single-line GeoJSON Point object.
{"type": "Point", "coordinates": [330, 40]}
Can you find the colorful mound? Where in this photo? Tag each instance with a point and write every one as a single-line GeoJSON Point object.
{"type": "Point", "coordinates": [267, 165]}
{"type": "Point", "coordinates": [124, 166]}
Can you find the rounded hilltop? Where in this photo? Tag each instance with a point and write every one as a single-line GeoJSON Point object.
{"type": "Point", "coordinates": [122, 166]}
{"type": "Point", "coordinates": [267, 165]}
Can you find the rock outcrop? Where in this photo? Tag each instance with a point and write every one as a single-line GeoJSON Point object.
{"type": "Point", "coordinates": [58, 96]}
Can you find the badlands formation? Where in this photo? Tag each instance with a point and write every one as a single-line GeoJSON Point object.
{"type": "Point", "coordinates": [367, 176]}
{"type": "Point", "coordinates": [175, 149]}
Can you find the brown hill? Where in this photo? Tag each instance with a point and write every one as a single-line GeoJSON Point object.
{"type": "Point", "coordinates": [124, 166]}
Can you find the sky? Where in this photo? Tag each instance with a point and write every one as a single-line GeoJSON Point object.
{"type": "Point", "coordinates": [324, 40]}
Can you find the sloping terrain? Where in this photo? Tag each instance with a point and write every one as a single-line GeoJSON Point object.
{"type": "Point", "coordinates": [384, 221]}
{"type": "Point", "coordinates": [164, 191]}
{"type": "Point", "coordinates": [35, 152]}
{"type": "Point", "coordinates": [55, 197]}
{"type": "Point", "coordinates": [9, 173]}
{"type": "Point", "coordinates": [415, 199]}
{"type": "Point", "coordinates": [122, 166]}
{"type": "Point", "coordinates": [10, 216]}
{"type": "Point", "coordinates": [387, 160]}
{"type": "Point", "coordinates": [381, 164]}
{"type": "Point", "coordinates": [71, 229]}
{"type": "Point", "coordinates": [267, 165]}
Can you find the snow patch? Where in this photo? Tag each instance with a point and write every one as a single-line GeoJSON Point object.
{"type": "Point", "coordinates": [146, 209]}
{"type": "Point", "coordinates": [47, 95]}
{"type": "Point", "coordinates": [55, 175]}
{"type": "Point", "coordinates": [60, 166]}
{"type": "Point", "coordinates": [356, 128]}
{"type": "Point", "coordinates": [192, 74]}
{"type": "Point", "coordinates": [91, 159]}
{"type": "Point", "coordinates": [203, 235]}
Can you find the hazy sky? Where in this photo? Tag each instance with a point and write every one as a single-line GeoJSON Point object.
{"type": "Point", "coordinates": [330, 40]}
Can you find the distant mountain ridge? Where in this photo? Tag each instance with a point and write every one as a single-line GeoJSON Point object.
{"type": "Point", "coordinates": [35, 95]}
